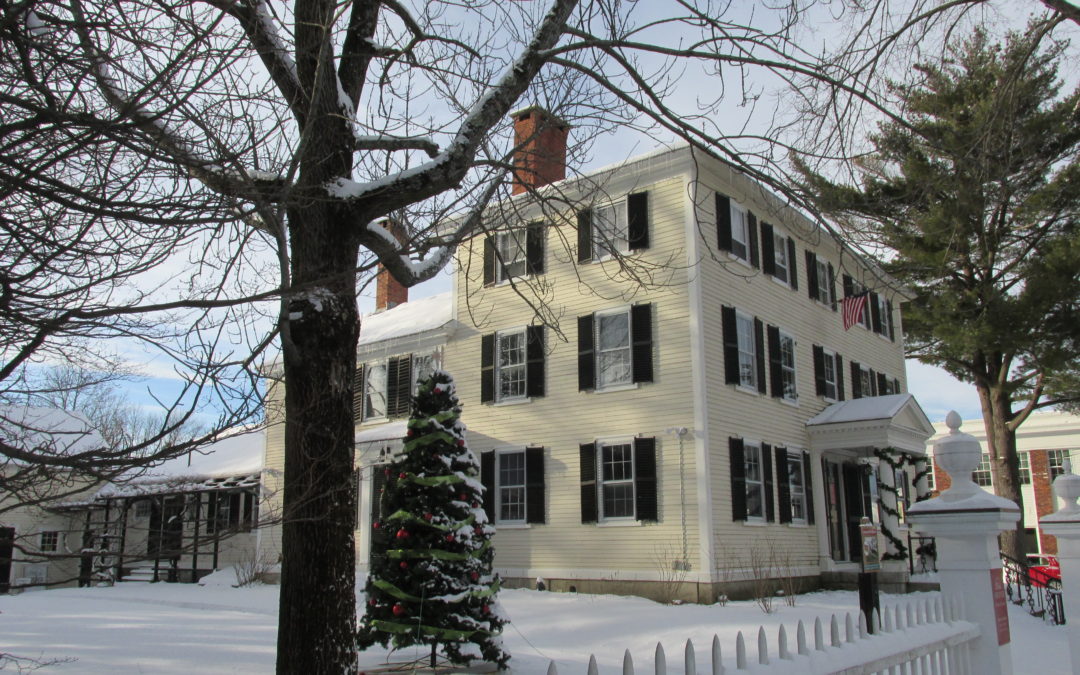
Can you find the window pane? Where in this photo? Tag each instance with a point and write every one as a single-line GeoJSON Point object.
{"type": "Point", "coordinates": [1025, 468]}
{"type": "Point", "coordinates": [824, 287]}
{"type": "Point", "coordinates": [739, 238]}
{"type": "Point", "coordinates": [613, 353]}
{"type": "Point", "coordinates": [617, 480]}
{"type": "Point", "coordinates": [619, 500]}
{"type": "Point", "coordinates": [829, 368]}
{"type": "Point", "coordinates": [618, 462]}
{"type": "Point", "coordinates": [780, 256]}
{"type": "Point", "coordinates": [512, 253]}
{"type": "Point", "coordinates": [511, 361]}
{"type": "Point", "coordinates": [609, 229]}
{"type": "Point", "coordinates": [747, 356]}
{"type": "Point", "coordinates": [375, 391]}
{"type": "Point", "coordinates": [512, 486]}
{"type": "Point", "coordinates": [755, 495]}
{"type": "Point", "coordinates": [787, 366]}
{"type": "Point", "coordinates": [983, 475]}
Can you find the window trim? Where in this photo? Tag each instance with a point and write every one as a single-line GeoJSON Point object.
{"type": "Point", "coordinates": [758, 447]}
{"type": "Point", "coordinates": [53, 538]}
{"type": "Point", "coordinates": [796, 456]}
{"type": "Point", "coordinates": [523, 332]}
{"type": "Point", "coordinates": [498, 487]}
{"type": "Point", "coordinates": [794, 368]}
{"type": "Point", "coordinates": [600, 249]}
{"type": "Point", "coordinates": [743, 319]}
{"type": "Point", "coordinates": [502, 264]}
{"type": "Point", "coordinates": [829, 360]}
{"type": "Point", "coordinates": [629, 348]}
{"type": "Point", "coordinates": [601, 443]}
{"type": "Point", "coordinates": [740, 225]}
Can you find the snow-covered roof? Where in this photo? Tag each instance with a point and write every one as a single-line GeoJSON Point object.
{"type": "Point", "coordinates": [383, 432]}
{"type": "Point", "coordinates": [233, 461]}
{"type": "Point", "coordinates": [410, 318]}
{"type": "Point", "coordinates": [862, 409]}
{"type": "Point", "coordinates": [48, 430]}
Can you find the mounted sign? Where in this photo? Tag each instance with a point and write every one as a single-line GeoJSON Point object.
{"type": "Point", "coordinates": [871, 549]}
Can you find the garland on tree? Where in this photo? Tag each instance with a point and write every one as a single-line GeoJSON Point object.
{"type": "Point", "coordinates": [433, 584]}
{"type": "Point", "coordinates": [887, 455]}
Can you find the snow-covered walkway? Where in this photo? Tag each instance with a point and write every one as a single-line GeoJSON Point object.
{"type": "Point", "coordinates": [173, 628]}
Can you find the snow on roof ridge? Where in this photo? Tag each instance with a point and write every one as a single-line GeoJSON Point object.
{"type": "Point", "coordinates": [408, 318]}
{"type": "Point", "coordinates": [33, 427]}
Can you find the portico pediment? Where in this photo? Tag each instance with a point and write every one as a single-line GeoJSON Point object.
{"type": "Point", "coordinates": [894, 421]}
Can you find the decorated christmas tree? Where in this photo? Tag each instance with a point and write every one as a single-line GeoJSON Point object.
{"type": "Point", "coordinates": [434, 585]}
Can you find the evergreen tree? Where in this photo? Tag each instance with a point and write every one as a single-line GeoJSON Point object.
{"type": "Point", "coordinates": [434, 585]}
{"type": "Point", "coordinates": [975, 197]}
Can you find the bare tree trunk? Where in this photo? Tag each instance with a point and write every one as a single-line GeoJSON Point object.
{"type": "Point", "coordinates": [317, 619]}
{"type": "Point", "coordinates": [1004, 462]}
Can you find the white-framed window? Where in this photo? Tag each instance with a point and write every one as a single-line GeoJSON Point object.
{"type": "Point", "coordinates": [796, 486]}
{"type": "Point", "coordinates": [1025, 467]}
{"type": "Point", "coordinates": [510, 364]}
{"type": "Point", "coordinates": [782, 266]}
{"type": "Point", "coordinates": [510, 494]}
{"type": "Point", "coordinates": [423, 366]}
{"type": "Point", "coordinates": [744, 325]}
{"type": "Point", "coordinates": [1056, 459]}
{"type": "Point", "coordinates": [826, 294]}
{"type": "Point", "coordinates": [142, 508]}
{"type": "Point", "coordinates": [611, 233]}
{"type": "Point", "coordinates": [888, 386]}
{"type": "Point", "coordinates": [866, 381]}
{"type": "Point", "coordinates": [740, 232]}
{"type": "Point", "coordinates": [883, 312]}
{"type": "Point", "coordinates": [931, 483]}
{"type": "Point", "coordinates": [375, 391]}
{"type": "Point", "coordinates": [616, 473]}
{"type": "Point", "coordinates": [864, 318]}
{"type": "Point", "coordinates": [831, 374]}
{"type": "Point", "coordinates": [512, 254]}
{"type": "Point", "coordinates": [983, 475]}
{"type": "Point", "coordinates": [613, 349]}
{"type": "Point", "coordinates": [49, 542]}
{"type": "Point", "coordinates": [754, 472]}
{"type": "Point", "coordinates": [787, 367]}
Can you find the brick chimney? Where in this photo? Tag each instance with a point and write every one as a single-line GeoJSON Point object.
{"type": "Point", "coordinates": [389, 293]}
{"type": "Point", "coordinates": [540, 157]}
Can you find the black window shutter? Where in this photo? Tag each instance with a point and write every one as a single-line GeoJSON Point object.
{"type": "Point", "coordinates": [767, 472]}
{"type": "Point", "coordinates": [793, 266]}
{"type": "Point", "coordinates": [358, 393]}
{"type": "Point", "coordinates": [754, 260]}
{"type": "Point", "coordinates": [534, 247]}
{"type": "Point", "coordinates": [882, 383]}
{"type": "Point", "coordinates": [875, 313]}
{"type": "Point", "coordinates": [534, 485]}
{"type": "Point", "coordinates": [737, 455]}
{"type": "Point", "coordinates": [586, 356]}
{"type": "Point", "coordinates": [731, 345]}
{"type": "Point", "coordinates": [588, 483]}
{"type": "Point", "coordinates": [768, 251]}
{"type": "Point", "coordinates": [832, 286]}
{"type": "Point", "coordinates": [637, 220]}
{"type": "Point", "coordinates": [808, 487]}
{"type": "Point", "coordinates": [399, 377]}
{"type": "Point", "coordinates": [534, 377]}
{"type": "Point", "coordinates": [645, 479]}
{"type": "Point", "coordinates": [584, 236]}
{"type": "Point", "coordinates": [811, 275]}
{"type": "Point", "coordinates": [856, 381]}
{"type": "Point", "coordinates": [776, 376]}
{"type": "Point", "coordinates": [489, 260]}
{"type": "Point", "coordinates": [896, 385]}
{"type": "Point", "coordinates": [892, 321]}
{"type": "Point", "coordinates": [849, 286]}
{"type": "Point", "coordinates": [783, 485]}
{"type": "Point", "coordinates": [819, 370]}
{"type": "Point", "coordinates": [487, 368]}
{"type": "Point", "coordinates": [723, 222]}
{"type": "Point", "coordinates": [759, 354]}
{"type": "Point", "coordinates": [487, 478]}
{"type": "Point", "coordinates": [641, 342]}
{"type": "Point", "coordinates": [839, 378]}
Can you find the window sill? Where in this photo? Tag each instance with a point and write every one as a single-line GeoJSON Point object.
{"type": "Point", "coordinates": [759, 522]}
{"type": "Point", "coordinates": [793, 402]}
{"type": "Point", "coordinates": [512, 526]}
{"type": "Point", "coordinates": [747, 390]}
{"type": "Point", "coordinates": [617, 387]}
{"type": "Point", "coordinates": [798, 525]}
{"type": "Point", "coordinates": [781, 282]}
{"type": "Point", "coordinates": [374, 420]}
{"type": "Point", "coordinates": [512, 401]}
{"type": "Point", "coordinates": [508, 280]}
{"type": "Point", "coordinates": [742, 261]}
{"type": "Point", "coordinates": [619, 523]}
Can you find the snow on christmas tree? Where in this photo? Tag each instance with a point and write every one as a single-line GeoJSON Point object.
{"type": "Point", "coordinates": [434, 585]}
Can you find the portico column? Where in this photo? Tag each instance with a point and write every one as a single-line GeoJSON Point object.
{"type": "Point", "coordinates": [1065, 525]}
{"type": "Point", "coordinates": [821, 517]}
{"type": "Point", "coordinates": [890, 521]}
{"type": "Point", "coordinates": [965, 520]}
{"type": "Point", "coordinates": [922, 479]}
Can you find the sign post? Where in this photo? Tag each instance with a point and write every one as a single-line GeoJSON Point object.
{"type": "Point", "coordinates": [869, 602]}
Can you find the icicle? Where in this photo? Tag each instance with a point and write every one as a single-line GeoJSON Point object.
{"type": "Point", "coordinates": [690, 659]}
{"type": "Point", "coordinates": [762, 647]}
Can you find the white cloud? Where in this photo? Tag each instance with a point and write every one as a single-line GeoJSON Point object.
{"type": "Point", "coordinates": [938, 392]}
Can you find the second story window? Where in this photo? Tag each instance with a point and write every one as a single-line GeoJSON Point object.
{"type": "Point", "coordinates": [511, 358]}
{"type": "Point", "coordinates": [49, 542]}
{"type": "Point", "coordinates": [736, 230]}
{"type": "Point", "coordinates": [740, 232]}
{"type": "Point", "coordinates": [613, 358]}
{"type": "Point", "coordinates": [1056, 458]}
{"type": "Point", "coordinates": [744, 349]}
{"type": "Point", "coordinates": [385, 387]}
{"type": "Point", "coordinates": [514, 252]}
{"type": "Point", "coordinates": [511, 254]}
{"type": "Point", "coordinates": [615, 348]}
{"type": "Point", "coordinates": [1025, 467]}
{"type": "Point", "coordinates": [821, 280]}
{"type": "Point", "coordinates": [375, 391]}
{"type": "Point", "coordinates": [983, 475]}
{"type": "Point", "coordinates": [512, 365]}
{"type": "Point", "coordinates": [747, 351]}
{"type": "Point", "coordinates": [610, 233]}
{"type": "Point", "coordinates": [613, 229]}
{"type": "Point", "coordinates": [778, 256]}
{"type": "Point", "coordinates": [828, 374]}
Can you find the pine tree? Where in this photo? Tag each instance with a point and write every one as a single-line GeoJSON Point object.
{"type": "Point", "coordinates": [434, 585]}
{"type": "Point", "coordinates": [975, 196]}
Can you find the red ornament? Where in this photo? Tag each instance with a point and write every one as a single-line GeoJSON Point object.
{"type": "Point", "coordinates": [461, 442]}
{"type": "Point", "coordinates": [476, 505]}
{"type": "Point", "coordinates": [474, 576]}
{"type": "Point", "coordinates": [402, 533]}
{"type": "Point", "coordinates": [403, 475]}
{"type": "Point", "coordinates": [403, 565]}
{"type": "Point", "coordinates": [399, 609]}
{"type": "Point", "coordinates": [429, 516]}
{"type": "Point", "coordinates": [438, 390]}
{"type": "Point", "coordinates": [463, 496]}
{"type": "Point", "coordinates": [478, 530]}
{"type": "Point", "coordinates": [372, 602]}
{"type": "Point", "coordinates": [485, 609]}
{"type": "Point", "coordinates": [449, 537]}
{"type": "Point", "coordinates": [375, 525]}
{"type": "Point", "coordinates": [386, 472]}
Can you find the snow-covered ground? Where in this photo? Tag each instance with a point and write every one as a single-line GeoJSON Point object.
{"type": "Point", "coordinates": [179, 628]}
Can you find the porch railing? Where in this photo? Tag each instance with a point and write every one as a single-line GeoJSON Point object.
{"type": "Point", "coordinates": [1041, 595]}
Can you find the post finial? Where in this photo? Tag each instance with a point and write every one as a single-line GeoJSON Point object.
{"type": "Point", "coordinates": [953, 421]}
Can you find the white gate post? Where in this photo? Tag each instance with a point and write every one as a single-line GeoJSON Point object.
{"type": "Point", "coordinates": [1065, 525]}
{"type": "Point", "coordinates": [965, 520]}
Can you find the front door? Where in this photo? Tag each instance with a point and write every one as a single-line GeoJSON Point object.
{"type": "Point", "coordinates": [166, 526]}
{"type": "Point", "coordinates": [7, 548]}
{"type": "Point", "coordinates": [857, 503]}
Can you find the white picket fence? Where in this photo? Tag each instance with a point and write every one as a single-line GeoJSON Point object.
{"type": "Point", "coordinates": [928, 637]}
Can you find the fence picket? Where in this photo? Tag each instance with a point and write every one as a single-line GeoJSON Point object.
{"type": "Point", "coordinates": [889, 621]}
{"type": "Point", "coordinates": [690, 659]}
{"type": "Point", "coordinates": [800, 639]}
{"type": "Point", "coordinates": [552, 670]}
{"type": "Point", "coordinates": [875, 619]}
{"type": "Point", "coordinates": [834, 632]}
{"type": "Point", "coordinates": [660, 660]}
{"type": "Point", "coordinates": [762, 647]}
{"type": "Point", "coordinates": [849, 628]}
{"type": "Point", "coordinates": [819, 635]}
{"type": "Point", "coordinates": [593, 670]}
{"type": "Point", "coordinates": [781, 644]}
{"type": "Point", "coordinates": [717, 662]}
{"type": "Point", "coordinates": [862, 626]}
{"type": "Point", "coordinates": [740, 652]}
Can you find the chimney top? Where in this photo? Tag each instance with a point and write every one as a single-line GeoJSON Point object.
{"type": "Point", "coordinates": [389, 292]}
{"type": "Point", "coordinates": [539, 148]}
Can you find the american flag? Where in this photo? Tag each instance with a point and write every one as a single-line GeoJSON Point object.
{"type": "Point", "coordinates": [852, 307]}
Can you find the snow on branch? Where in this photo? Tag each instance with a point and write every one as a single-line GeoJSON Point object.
{"type": "Point", "coordinates": [398, 143]}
